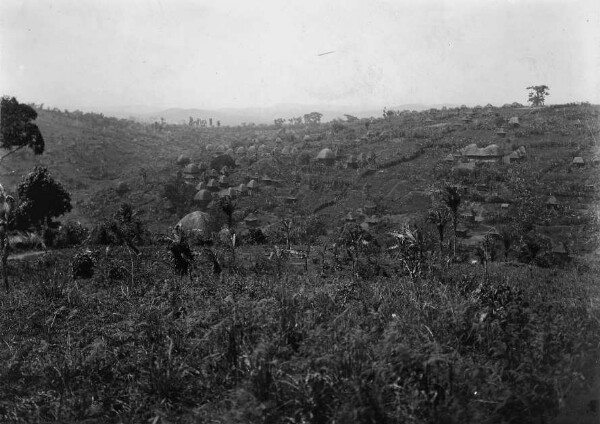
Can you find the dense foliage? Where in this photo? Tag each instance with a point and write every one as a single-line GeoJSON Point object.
{"type": "Point", "coordinates": [41, 198]}
{"type": "Point", "coordinates": [17, 128]}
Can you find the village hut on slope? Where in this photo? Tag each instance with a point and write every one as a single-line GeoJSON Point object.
{"type": "Point", "coordinates": [242, 189]}
{"type": "Point", "coordinates": [240, 151]}
{"type": "Point", "coordinates": [514, 122]}
{"type": "Point", "coordinates": [191, 171]}
{"type": "Point", "coordinates": [212, 185]}
{"type": "Point", "coordinates": [183, 159]}
{"type": "Point", "coordinates": [252, 186]}
{"type": "Point", "coordinates": [491, 153]}
{"type": "Point", "coordinates": [203, 198]}
{"type": "Point", "coordinates": [351, 162]}
{"type": "Point", "coordinates": [326, 157]}
{"type": "Point", "coordinates": [196, 222]}
{"type": "Point", "coordinates": [201, 186]}
{"type": "Point", "coordinates": [578, 161]}
{"type": "Point", "coordinates": [251, 221]}
{"type": "Point", "coordinates": [552, 203]}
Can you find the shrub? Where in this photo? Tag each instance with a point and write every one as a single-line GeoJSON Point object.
{"type": "Point", "coordinates": [83, 264]}
{"type": "Point", "coordinates": [73, 233]}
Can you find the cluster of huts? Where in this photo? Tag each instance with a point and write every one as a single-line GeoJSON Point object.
{"type": "Point", "coordinates": [471, 154]}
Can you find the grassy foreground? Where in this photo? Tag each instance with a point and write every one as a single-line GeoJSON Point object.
{"type": "Point", "coordinates": [137, 344]}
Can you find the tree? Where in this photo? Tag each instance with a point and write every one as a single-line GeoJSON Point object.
{"type": "Point", "coordinates": [356, 240]}
{"type": "Point", "coordinates": [439, 216]}
{"type": "Point", "coordinates": [279, 122]}
{"type": "Point", "coordinates": [17, 129]}
{"type": "Point", "coordinates": [537, 94]}
{"type": "Point", "coordinates": [313, 118]}
{"type": "Point", "coordinates": [228, 207]}
{"type": "Point", "coordinates": [452, 201]}
{"type": "Point", "coordinates": [41, 198]}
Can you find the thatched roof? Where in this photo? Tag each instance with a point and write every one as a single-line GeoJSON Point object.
{"type": "Point", "coordinates": [326, 154]}
{"type": "Point", "coordinates": [212, 185]}
{"type": "Point", "coordinates": [203, 196]}
{"type": "Point", "coordinates": [578, 160]}
{"type": "Point", "coordinates": [449, 158]}
{"type": "Point", "coordinates": [201, 185]}
{"type": "Point", "coordinates": [251, 149]}
{"type": "Point", "coordinates": [552, 201]}
{"type": "Point", "coordinates": [514, 121]}
{"type": "Point", "coordinates": [228, 192]}
{"type": "Point", "coordinates": [183, 159]}
{"type": "Point", "coordinates": [240, 150]}
{"type": "Point", "coordinates": [252, 184]}
{"type": "Point", "coordinates": [195, 221]}
{"type": "Point", "coordinates": [286, 150]}
{"type": "Point", "coordinates": [191, 168]}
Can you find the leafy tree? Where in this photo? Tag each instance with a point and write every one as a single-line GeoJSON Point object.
{"type": "Point", "coordinates": [356, 241]}
{"type": "Point", "coordinates": [410, 248]}
{"type": "Point", "coordinates": [41, 199]}
{"type": "Point", "coordinates": [452, 201]}
{"type": "Point", "coordinates": [17, 129]}
{"type": "Point", "coordinates": [350, 118]}
{"type": "Point", "coordinates": [313, 118]}
{"type": "Point", "coordinates": [439, 216]}
{"type": "Point", "coordinates": [537, 94]}
{"type": "Point", "coordinates": [228, 207]}
{"type": "Point", "coordinates": [279, 122]}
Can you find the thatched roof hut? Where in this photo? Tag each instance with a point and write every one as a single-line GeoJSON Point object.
{"type": "Point", "coordinates": [191, 168]}
{"type": "Point", "coordinates": [252, 185]}
{"type": "Point", "coordinates": [197, 221]}
{"type": "Point", "coordinates": [326, 156]}
{"type": "Point", "coordinates": [183, 159]}
{"type": "Point", "coordinates": [212, 185]}
{"type": "Point", "coordinates": [514, 121]}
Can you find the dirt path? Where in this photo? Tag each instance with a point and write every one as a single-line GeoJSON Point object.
{"type": "Point", "coordinates": [21, 256]}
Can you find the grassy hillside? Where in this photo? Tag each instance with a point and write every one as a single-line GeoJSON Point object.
{"type": "Point", "coordinates": [354, 324]}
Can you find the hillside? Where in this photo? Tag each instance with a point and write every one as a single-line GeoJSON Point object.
{"type": "Point", "coordinates": [337, 298]}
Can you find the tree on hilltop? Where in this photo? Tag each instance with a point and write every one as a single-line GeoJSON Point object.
{"type": "Point", "coordinates": [313, 118]}
{"type": "Point", "coordinates": [537, 94]}
{"type": "Point", "coordinates": [17, 129]}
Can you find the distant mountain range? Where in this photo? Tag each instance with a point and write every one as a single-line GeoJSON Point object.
{"type": "Point", "coordinates": [257, 115]}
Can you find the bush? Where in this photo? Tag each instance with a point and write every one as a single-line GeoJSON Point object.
{"type": "Point", "coordinates": [73, 233]}
{"type": "Point", "coordinates": [83, 265]}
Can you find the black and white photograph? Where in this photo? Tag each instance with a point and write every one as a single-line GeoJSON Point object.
{"type": "Point", "coordinates": [300, 211]}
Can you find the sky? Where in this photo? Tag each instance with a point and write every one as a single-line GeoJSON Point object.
{"type": "Point", "coordinates": [241, 53]}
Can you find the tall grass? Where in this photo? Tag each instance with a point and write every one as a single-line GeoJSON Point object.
{"type": "Point", "coordinates": [446, 347]}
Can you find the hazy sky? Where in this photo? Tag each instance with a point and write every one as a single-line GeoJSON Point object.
{"type": "Point", "coordinates": [238, 53]}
